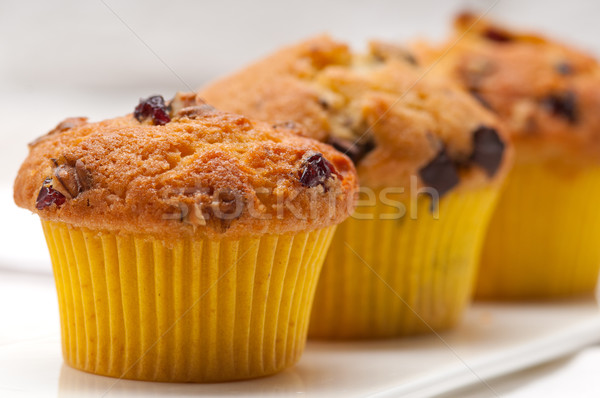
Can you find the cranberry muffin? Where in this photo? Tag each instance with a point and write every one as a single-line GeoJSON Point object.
{"type": "Point", "coordinates": [430, 161]}
{"type": "Point", "coordinates": [186, 242]}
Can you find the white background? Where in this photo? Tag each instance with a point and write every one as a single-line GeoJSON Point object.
{"type": "Point", "coordinates": [94, 58]}
{"type": "Point", "coordinates": [77, 58]}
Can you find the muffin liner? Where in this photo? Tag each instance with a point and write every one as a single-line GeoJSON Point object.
{"type": "Point", "coordinates": [394, 277]}
{"type": "Point", "coordinates": [543, 240]}
{"type": "Point", "coordinates": [186, 310]}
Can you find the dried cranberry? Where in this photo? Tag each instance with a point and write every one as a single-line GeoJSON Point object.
{"type": "Point", "coordinates": [497, 35]}
{"type": "Point", "coordinates": [488, 149]}
{"type": "Point", "coordinates": [562, 104]}
{"type": "Point", "coordinates": [49, 196]}
{"type": "Point", "coordinates": [316, 171]}
{"type": "Point", "coordinates": [441, 173]}
{"type": "Point", "coordinates": [354, 150]}
{"type": "Point", "coordinates": [152, 107]}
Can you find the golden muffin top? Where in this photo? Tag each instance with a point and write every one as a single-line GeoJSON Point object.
{"type": "Point", "coordinates": [185, 168]}
{"type": "Point", "coordinates": [547, 93]}
{"type": "Point", "coordinates": [381, 109]}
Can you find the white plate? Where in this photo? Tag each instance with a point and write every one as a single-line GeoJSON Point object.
{"type": "Point", "coordinates": [493, 340]}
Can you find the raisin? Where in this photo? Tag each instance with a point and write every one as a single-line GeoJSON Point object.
{"type": "Point", "coordinates": [49, 196]}
{"type": "Point", "coordinates": [356, 151]}
{"type": "Point", "coordinates": [562, 104]}
{"type": "Point", "coordinates": [152, 107]}
{"type": "Point", "coordinates": [441, 173]}
{"type": "Point", "coordinates": [488, 149]}
{"type": "Point", "coordinates": [316, 171]}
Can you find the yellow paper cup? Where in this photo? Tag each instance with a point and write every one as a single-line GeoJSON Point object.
{"type": "Point", "coordinates": [544, 237]}
{"type": "Point", "coordinates": [186, 310]}
{"type": "Point", "coordinates": [395, 277]}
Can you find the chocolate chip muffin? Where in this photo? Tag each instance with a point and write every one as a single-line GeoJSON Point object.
{"type": "Point", "coordinates": [542, 240]}
{"type": "Point", "coordinates": [430, 161]}
{"type": "Point", "coordinates": [186, 242]}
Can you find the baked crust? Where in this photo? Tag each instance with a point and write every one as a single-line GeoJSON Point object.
{"type": "Point", "coordinates": [380, 100]}
{"type": "Point", "coordinates": [547, 93]}
{"type": "Point", "coordinates": [205, 172]}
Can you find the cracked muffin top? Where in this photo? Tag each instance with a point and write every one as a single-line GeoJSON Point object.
{"type": "Point", "coordinates": [547, 93]}
{"type": "Point", "coordinates": [380, 108]}
{"type": "Point", "coordinates": [185, 168]}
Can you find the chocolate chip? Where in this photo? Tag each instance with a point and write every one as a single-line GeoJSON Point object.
{"type": "Point", "coordinates": [564, 68]}
{"type": "Point", "coordinates": [563, 104]}
{"type": "Point", "coordinates": [488, 149]}
{"type": "Point", "coordinates": [497, 35]}
{"type": "Point", "coordinates": [356, 151]}
{"type": "Point", "coordinates": [441, 173]}
{"type": "Point", "coordinates": [49, 196]}
{"type": "Point", "coordinates": [152, 107]}
{"type": "Point", "coordinates": [316, 170]}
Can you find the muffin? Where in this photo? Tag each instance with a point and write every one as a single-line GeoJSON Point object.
{"type": "Point", "coordinates": [430, 161]}
{"type": "Point", "coordinates": [542, 240]}
{"type": "Point", "coordinates": [186, 243]}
